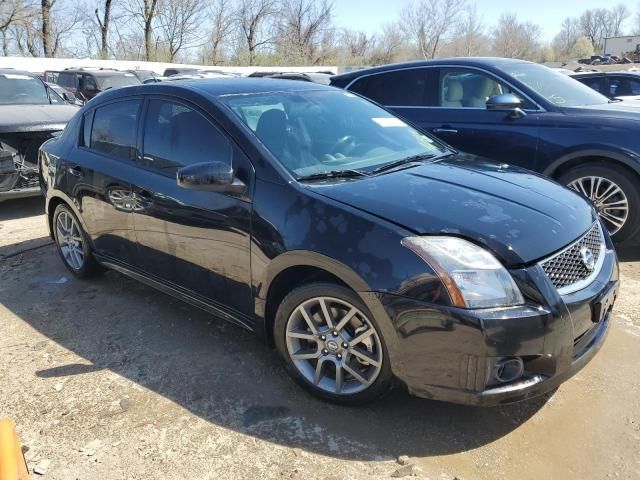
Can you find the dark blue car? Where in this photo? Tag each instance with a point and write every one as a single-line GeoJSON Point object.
{"type": "Point", "coordinates": [525, 114]}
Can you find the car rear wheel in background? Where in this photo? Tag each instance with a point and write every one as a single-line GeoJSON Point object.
{"type": "Point", "coordinates": [331, 344]}
{"type": "Point", "coordinates": [615, 193]}
{"type": "Point", "coordinates": [72, 243]}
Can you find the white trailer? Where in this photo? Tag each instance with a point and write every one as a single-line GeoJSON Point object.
{"type": "Point", "coordinates": [621, 45]}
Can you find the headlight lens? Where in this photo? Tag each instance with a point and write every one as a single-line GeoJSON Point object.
{"type": "Point", "coordinates": [473, 277]}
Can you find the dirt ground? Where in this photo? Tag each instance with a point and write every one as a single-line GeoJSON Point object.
{"type": "Point", "coordinates": [108, 379]}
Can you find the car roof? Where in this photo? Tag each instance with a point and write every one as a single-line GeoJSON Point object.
{"type": "Point", "coordinates": [217, 87]}
{"type": "Point", "coordinates": [470, 61]}
{"type": "Point", "coordinates": [97, 73]}
{"type": "Point", "coordinates": [12, 71]}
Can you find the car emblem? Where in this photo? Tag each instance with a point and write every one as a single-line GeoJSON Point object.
{"type": "Point", "coordinates": [588, 258]}
{"type": "Point", "coordinates": [332, 346]}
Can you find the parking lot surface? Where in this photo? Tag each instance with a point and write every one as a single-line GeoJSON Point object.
{"type": "Point", "coordinates": [110, 379]}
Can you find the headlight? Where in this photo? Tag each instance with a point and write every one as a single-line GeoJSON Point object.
{"type": "Point", "coordinates": [473, 277]}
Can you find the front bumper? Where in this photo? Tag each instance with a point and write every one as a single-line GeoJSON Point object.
{"type": "Point", "coordinates": [448, 354]}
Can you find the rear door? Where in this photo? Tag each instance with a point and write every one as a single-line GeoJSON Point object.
{"type": "Point", "coordinates": [197, 241]}
{"type": "Point", "coordinates": [99, 177]}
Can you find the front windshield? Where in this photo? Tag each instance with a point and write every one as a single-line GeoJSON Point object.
{"type": "Point", "coordinates": [557, 88]}
{"type": "Point", "coordinates": [115, 81]}
{"type": "Point", "coordinates": [18, 89]}
{"type": "Point", "coordinates": [317, 131]}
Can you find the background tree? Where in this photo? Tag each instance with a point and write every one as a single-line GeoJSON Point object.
{"type": "Point", "coordinates": [300, 29]}
{"type": "Point", "coordinates": [221, 14]}
{"type": "Point", "coordinates": [427, 22]}
{"type": "Point", "coordinates": [253, 18]}
{"type": "Point", "coordinates": [513, 39]}
{"type": "Point", "coordinates": [582, 48]}
{"type": "Point", "coordinates": [103, 20]}
{"type": "Point", "coordinates": [179, 24]}
{"type": "Point", "coordinates": [143, 13]}
{"type": "Point", "coordinates": [469, 38]}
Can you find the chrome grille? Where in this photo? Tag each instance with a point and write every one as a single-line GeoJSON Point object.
{"type": "Point", "coordinates": [567, 270]}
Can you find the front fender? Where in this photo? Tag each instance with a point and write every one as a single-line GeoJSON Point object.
{"type": "Point", "coordinates": [305, 258]}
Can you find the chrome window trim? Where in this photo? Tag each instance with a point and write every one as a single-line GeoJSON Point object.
{"type": "Point", "coordinates": [540, 109]}
{"type": "Point", "coordinates": [579, 285]}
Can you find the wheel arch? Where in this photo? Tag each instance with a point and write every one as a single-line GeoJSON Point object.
{"type": "Point", "coordinates": [296, 268]}
{"type": "Point", "coordinates": [58, 198]}
{"type": "Point", "coordinates": [592, 155]}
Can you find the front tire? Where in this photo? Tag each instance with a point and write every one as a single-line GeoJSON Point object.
{"type": "Point", "coordinates": [73, 243]}
{"type": "Point", "coordinates": [331, 345]}
{"type": "Point", "coordinates": [614, 192]}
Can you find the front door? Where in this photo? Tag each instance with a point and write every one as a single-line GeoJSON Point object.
{"type": "Point", "coordinates": [461, 119]}
{"type": "Point", "coordinates": [198, 241]}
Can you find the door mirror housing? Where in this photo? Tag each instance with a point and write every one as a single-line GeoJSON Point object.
{"type": "Point", "coordinates": [508, 103]}
{"type": "Point", "coordinates": [209, 177]}
{"type": "Point", "coordinates": [69, 97]}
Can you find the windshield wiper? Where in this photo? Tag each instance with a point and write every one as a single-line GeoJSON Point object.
{"type": "Point", "coordinates": [403, 161]}
{"type": "Point", "coordinates": [615, 100]}
{"type": "Point", "coordinates": [333, 174]}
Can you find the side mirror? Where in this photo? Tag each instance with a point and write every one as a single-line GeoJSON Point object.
{"type": "Point", "coordinates": [508, 103]}
{"type": "Point", "coordinates": [69, 97]}
{"type": "Point", "coordinates": [210, 177]}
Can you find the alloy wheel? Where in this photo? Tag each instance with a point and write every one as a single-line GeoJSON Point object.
{"type": "Point", "coordinates": [609, 199]}
{"type": "Point", "coordinates": [70, 240]}
{"type": "Point", "coordinates": [334, 345]}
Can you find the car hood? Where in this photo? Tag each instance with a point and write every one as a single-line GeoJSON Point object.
{"type": "Point", "coordinates": [34, 118]}
{"type": "Point", "coordinates": [521, 216]}
{"type": "Point", "coordinates": [627, 109]}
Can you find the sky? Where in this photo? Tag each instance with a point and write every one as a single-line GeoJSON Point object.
{"type": "Point", "coordinates": [368, 15]}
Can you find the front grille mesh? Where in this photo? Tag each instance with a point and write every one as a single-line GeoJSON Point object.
{"type": "Point", "coordinates": [567, 267]}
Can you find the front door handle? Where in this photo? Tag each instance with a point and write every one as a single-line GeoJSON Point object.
{"type": "Point", "coordinates": [76, 171]}
{"type": "Point", "coordinates": [445, 129]}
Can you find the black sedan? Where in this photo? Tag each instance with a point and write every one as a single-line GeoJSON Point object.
{"type": "Point", "coordinates": [524, 114]}
{"type": "Point", "coordinates": [362, 248]}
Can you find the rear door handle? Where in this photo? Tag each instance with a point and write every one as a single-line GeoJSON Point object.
{"type": "Point", "coordinates": [445, 130]}
{"type": "Point", "coordinates": [76, 172]}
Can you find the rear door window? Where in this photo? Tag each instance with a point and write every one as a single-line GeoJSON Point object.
{"type": "Point", "coordinates": [413, 87]}
{"type": "Point", "coordinates": [176, 135]}
{"type": "Point", "coordinates": [114, 129]}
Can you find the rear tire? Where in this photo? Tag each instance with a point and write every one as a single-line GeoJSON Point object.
{"type": "Point", "coordinates": [343, 359]}
{"type": "Point", "coordinates": [72, 243]}
{"type": "Point", "coordinates": [614, 191]}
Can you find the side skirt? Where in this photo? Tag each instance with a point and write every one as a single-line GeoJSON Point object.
{"type": "Point", "coordinates": [177, 292]}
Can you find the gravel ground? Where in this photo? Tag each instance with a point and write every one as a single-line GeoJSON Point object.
{"type": "Point", "coordinates": [108, 379]}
